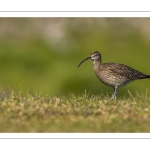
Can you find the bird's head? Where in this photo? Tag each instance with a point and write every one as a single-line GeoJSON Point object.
{"type": "Point", "coordinates": [93, 56]}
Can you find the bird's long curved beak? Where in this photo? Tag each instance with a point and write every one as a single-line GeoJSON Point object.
{"type": "Point", "coordinates": [84, 60]}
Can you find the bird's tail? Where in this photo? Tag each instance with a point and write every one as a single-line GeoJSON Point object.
{"type": "Point", "coordinates": [147, 76]}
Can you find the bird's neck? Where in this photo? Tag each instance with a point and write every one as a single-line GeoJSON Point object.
{"type": "Point", "coordinates": [96, 64]}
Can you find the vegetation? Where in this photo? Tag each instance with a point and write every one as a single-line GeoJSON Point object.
{"type": "Point", "coordinates": [70, 113]}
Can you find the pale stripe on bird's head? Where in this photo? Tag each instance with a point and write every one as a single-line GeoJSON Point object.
{"type": "Point", "coordinates": [95, 55]}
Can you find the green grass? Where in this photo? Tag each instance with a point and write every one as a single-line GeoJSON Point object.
{"type": "Point", "coordinates": [72, 113]}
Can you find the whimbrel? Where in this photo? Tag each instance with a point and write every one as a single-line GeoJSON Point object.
{"type": "Point", "coordinates": [113, 74]}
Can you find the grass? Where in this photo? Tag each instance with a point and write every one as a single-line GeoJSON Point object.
{"type": "Point", "coordinates": [70, 113]}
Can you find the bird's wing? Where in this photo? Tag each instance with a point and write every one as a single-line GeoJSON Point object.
{"type": "Point", "coordinates": [126, 71]}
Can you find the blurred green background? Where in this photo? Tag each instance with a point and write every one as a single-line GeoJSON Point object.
{"type": "Point", "coordinates": [42, 54]}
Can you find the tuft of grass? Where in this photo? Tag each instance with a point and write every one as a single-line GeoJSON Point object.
{"type": "Point", "coordinates": [71, 113]}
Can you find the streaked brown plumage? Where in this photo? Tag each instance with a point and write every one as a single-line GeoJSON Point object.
{"type": "Point", "coordinates": [113, 74]}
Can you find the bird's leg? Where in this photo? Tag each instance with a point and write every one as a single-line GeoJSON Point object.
{"type": "Point", "coordinates": [115, 93]}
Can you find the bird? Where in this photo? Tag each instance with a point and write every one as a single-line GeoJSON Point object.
{"type": "Point", "coordinates": [113, 74]}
